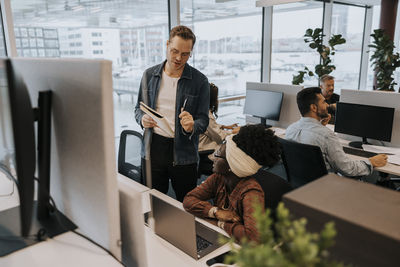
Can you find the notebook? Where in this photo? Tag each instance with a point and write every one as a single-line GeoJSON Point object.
{"type": "Point", "coordinates": [180, 228]}
{"type": "Point", "coordinates": [162, 122]}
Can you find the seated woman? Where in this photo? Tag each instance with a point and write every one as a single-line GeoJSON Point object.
{"type": "Point", "coordinates": [215, 133]}
{"type": "Point", "coordinates": [231, 187]}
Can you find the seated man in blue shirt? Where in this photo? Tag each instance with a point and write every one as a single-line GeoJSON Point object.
{"type": "Point", "coordinates": [310, 129]}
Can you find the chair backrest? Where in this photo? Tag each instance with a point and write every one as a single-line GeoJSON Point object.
{"type": "Point", "coordinates": [274, 188]}
{"type": "Point", "coordinates": [129, 159]}
{"type": "Point", "coordinates": [205, 164]}
{"type": "Point", "coordinates": [303, 163]}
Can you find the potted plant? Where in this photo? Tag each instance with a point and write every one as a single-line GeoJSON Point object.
{"type": "Point", "coordinates": [290, 245]}
{"type": "Point", "coordinates": [315, 38]}
{"type": "Point", "coordinates": [384, 61]}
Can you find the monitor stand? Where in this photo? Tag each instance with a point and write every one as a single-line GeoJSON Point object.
{"type": "Point", "coordinates": [358, 144]}
{"type": "Point", "coordinates": [264, 122]}
{"type": "Point", "coordinates": [10, 232]}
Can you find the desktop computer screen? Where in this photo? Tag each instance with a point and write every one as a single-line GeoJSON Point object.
{"type": "Point", "coordinates": [83, 166]}
{"type": "Point", "coordinates": [364, 121]}
{"type": "Point", "coordinates": [17, 150]}
{"type": "Point", "coordinates": [263, 104]}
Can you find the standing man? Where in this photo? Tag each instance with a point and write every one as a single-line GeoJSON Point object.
{"type": "Point", "coordinates": [310, 129]}
{"type": "Point", "coordinates": [182, 94]}
{"type": "Point", "coordinates": [327, 84]}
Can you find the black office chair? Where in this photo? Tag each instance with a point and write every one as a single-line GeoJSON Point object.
{"type": "Point", "coordinates": [274, 188]}
{"type": "Point", "coordinates": [303, 163]}
{"type": "Point", "coordinates": [205, 164]}
{"type": "Point", "coordinates": [129, 159]}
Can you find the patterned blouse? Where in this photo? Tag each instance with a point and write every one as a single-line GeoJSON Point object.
{"type": "Point", "coordinates": [240, 199]}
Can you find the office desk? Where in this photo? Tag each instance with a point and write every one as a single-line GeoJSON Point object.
{"type": "Point", "coordinates": [162, 253]}
{"type": "Point", "coordinates": [388, 168]}
{"type": "Point", "coordinates": [67, 249]}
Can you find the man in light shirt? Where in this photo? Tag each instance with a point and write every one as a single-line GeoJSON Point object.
{"type": "Point", "coordinates": [310, 129]}
{"type": "Point", "coordinates": [181, 93]}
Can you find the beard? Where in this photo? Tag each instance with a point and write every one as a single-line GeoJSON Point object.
{"type": "Point", "coordinates": [322, 115]}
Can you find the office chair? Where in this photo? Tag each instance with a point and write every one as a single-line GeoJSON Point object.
{"type": "Point", "coordinates": [205, 164]}
{"type": "Point", "coordinates": [274, 188]}
{"type": "Point", "coordinates": [129, 159]}
{"type": "Point", "coordinates": [303, 163]}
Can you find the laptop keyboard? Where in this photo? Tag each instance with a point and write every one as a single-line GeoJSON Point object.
{"type": "Point", "coordinates": [202, 244]}
{"type": "Point", "coordinates": [358, 152]}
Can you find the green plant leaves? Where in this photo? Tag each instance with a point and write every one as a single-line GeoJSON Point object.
{"type": "Point", "coordinates": [291, 245]}
{"type": "Point", "coordinates": [384, 61]}
{"type": "Point", "coordinates": [314, 38]}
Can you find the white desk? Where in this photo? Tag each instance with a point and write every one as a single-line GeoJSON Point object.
{"type": "Point", "coordinates": [162, 253]}
{"type": "Point", "coordinates": [388, 168]}
{"type": "Point", "coordinates": [67, 249]}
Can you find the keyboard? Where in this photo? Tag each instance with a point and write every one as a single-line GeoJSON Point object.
{"type": "Point", "coordinates": [202, 244]}
{"type": "Point", "coordinates": [358, 152]}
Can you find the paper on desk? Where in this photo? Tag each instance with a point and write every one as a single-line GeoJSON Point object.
{"type": "Point", "coordinates": [382, 149]}
{"type": "Point", "coordinates": [278, 131]}
{"type": "Point", "coordinates": [394, 159]}
{"type": "Point", "coordinates": [162, 122]}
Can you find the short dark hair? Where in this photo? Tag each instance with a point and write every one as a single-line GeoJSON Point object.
{"type": "Point", "coordinates": [214, 99]}
{"type": "Point", "coordinates": [260, 143]}
{"type": "Point", "coordinates": [183, 32]}
{"type": "Point", "coordinates": [326, 77]}
{"type": "Point", "coordinates": [306, 97]}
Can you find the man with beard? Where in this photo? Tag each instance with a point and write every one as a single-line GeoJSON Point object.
{"type": "Point", "coordinates": [310, 129]}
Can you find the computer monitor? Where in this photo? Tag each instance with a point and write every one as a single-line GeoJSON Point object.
{"type": "Point", "coordinates": [18, 155]}
{"type": "Point", "coordinates": [365, 121]}
{"type": "Point", "coordinates": [83, 166]}
{"type": "Point", "coordinates": [17, 144]}
{"type": "Point", "coordinates": [263, 104]}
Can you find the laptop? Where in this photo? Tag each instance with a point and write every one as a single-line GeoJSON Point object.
{"type": "Point", "coordinates": [180, 228]}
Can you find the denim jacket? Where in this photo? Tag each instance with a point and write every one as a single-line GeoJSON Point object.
{"type": "Point", "coordinates": [193, 86]}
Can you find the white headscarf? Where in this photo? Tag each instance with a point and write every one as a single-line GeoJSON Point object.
{"type": "Point", "coordinates": [240, 163]}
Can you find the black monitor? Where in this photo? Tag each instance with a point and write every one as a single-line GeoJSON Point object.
{"type": "Point", "coordinates": [17, 148]}
{"type": "Point", "coordinates": [364, 121]}
{"type": "Point", "coordinates": [263, 104]}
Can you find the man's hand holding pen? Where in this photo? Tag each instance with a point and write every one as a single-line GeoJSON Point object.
{"type": "Point", "coordinates": [186, 121]}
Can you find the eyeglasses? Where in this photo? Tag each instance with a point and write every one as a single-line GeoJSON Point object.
{"type": "Point", "coordinates": [175, 52]}
{"type": "Point", "coordinates": [217, 154]}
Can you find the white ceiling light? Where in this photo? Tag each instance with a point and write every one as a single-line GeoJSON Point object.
{"type": "Point", "coordinates": [261, 3]}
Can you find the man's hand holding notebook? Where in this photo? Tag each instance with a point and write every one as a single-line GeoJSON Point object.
{"type": "Point", "coordinates": [162, 122]}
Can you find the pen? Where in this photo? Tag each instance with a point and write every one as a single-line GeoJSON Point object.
{"type": "Point", "coordinates": [184, 104]}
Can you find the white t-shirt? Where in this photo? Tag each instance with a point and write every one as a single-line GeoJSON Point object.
{"type": "Point", "coordinates": [166, 100]}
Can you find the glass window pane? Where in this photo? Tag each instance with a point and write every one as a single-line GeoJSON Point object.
{"type": "Point", "coordinates": [130, 33]}
{"type": "Point", "coordinates": [349, 22]}
{"type": "Point", "coordinates": [228, 48]}
{"type": "Point", "coordinates": [290, 53]}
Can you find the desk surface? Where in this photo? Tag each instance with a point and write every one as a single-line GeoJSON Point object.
{"type": "Point", "coordinates": [67, 250]}
{"type": "Point", "coordinates": [388, 168]}
{"type": "Point", "coordinates": [167, 252]}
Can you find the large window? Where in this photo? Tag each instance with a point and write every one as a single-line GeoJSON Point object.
{"type": "Point", "coordinates": [289, 51]}
{"type": "Point", "coordinates": [349, 22]}
{"type": "Point", "coordinates": [130, 33]}
{"type": "Point", "coordinates": [229, 42]}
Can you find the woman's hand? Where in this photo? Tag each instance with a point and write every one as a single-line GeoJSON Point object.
{"type": "Point", "coordinates": [229, 127]}
{"type": "Point", "coordinates": [227, 216]}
